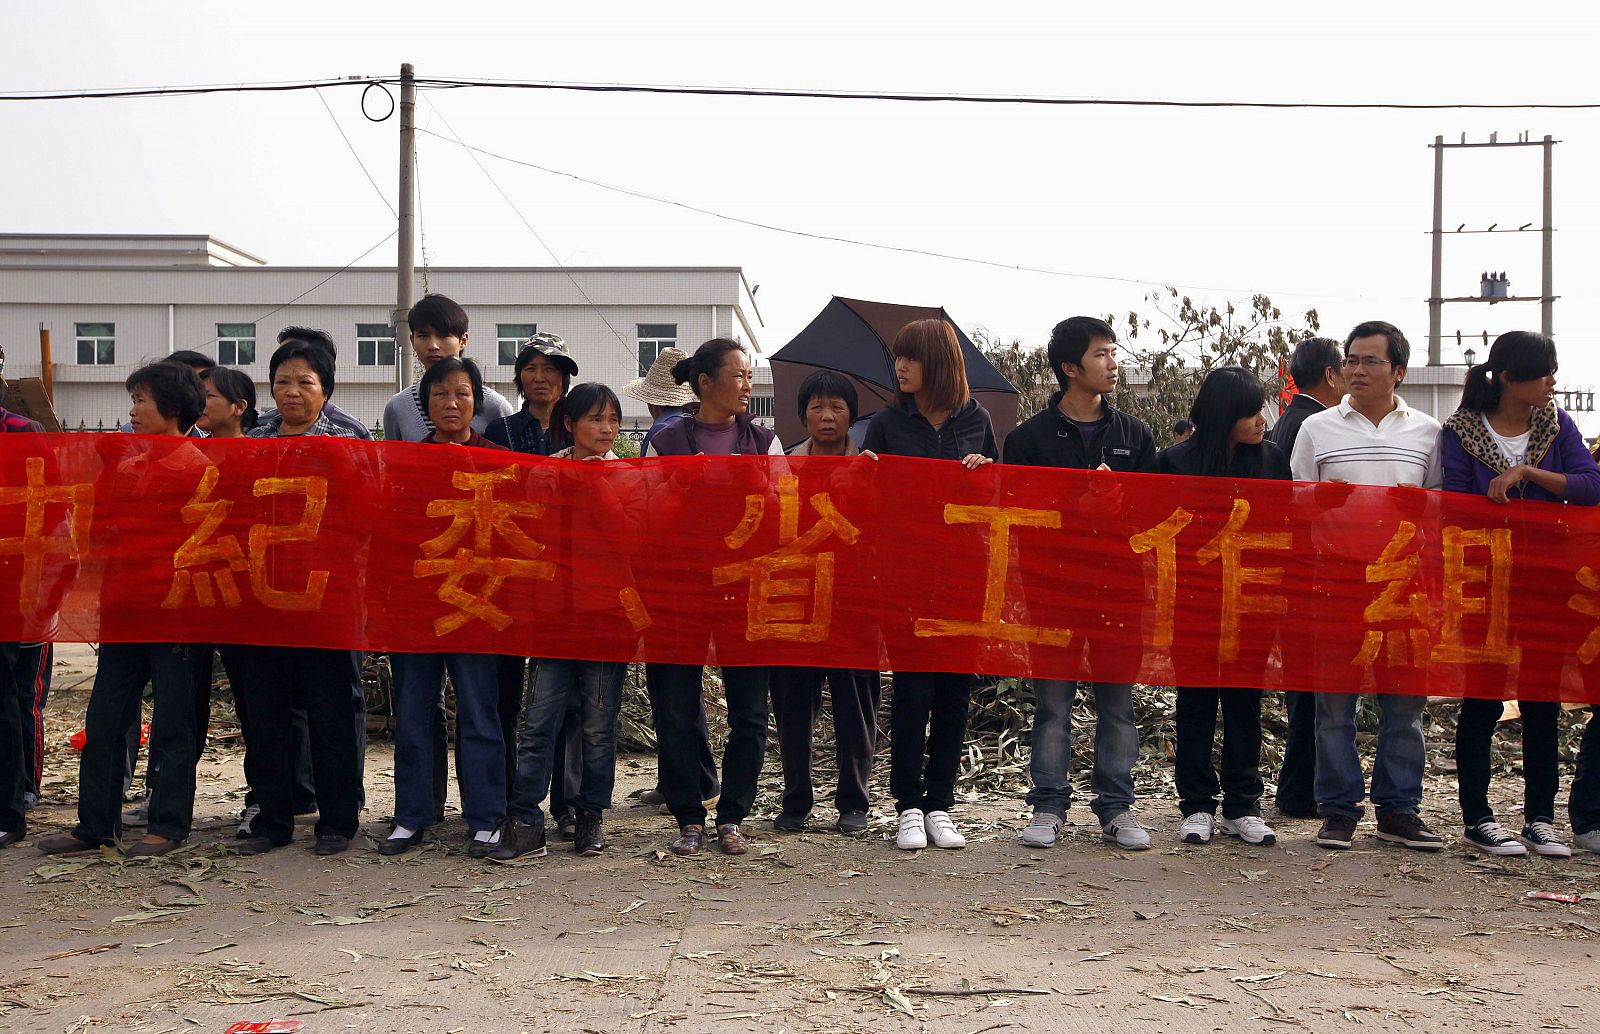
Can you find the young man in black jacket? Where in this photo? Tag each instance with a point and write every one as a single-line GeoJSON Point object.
{"type": "Point", "coordinates": [1317, 366]}
{"type": "Point", "coordinates": [1081, 429]}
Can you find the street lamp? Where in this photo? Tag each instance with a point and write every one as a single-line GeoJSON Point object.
{"type": "Point", "coordinates": [1470, 355]}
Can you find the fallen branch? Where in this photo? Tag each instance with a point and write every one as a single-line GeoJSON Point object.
{"type": "Point", "coordinates": [928, 992]}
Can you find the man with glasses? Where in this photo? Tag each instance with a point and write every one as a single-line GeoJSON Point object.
{"type": "Point", "coordinates": [1371, 438]}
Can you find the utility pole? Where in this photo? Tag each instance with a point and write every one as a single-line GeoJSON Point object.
{"type": "Point", "coordinates": [1493, 288]}
{"type": "Point", "coordinates": [405, 262]}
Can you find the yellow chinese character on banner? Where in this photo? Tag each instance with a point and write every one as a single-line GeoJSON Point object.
{"type": "Point", "coordinates": [264, 536]}
{"type": "Point", "coordinates": [209, 514]}
{"type": "Point", "coordinates": [484, 516]}
{"type": "Point", "coordinates": [781, 581]}
{"type": "Point", "coordinates": [1000, 519]}
{"type": "Point", "coordinates": [1588, 604]}
{"type": "Point", "coordinates": [1458, 575]}
{"type": "Point", "coordinates": [1230, 545]}
{"type": "Point", "coordinates": [34, 545]}
{"type": "Point", "coordinates": [1396, 605]}
{"type": "Point", "coordinates": [1163, 538]}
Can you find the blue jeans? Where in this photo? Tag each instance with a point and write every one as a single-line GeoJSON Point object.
{"type": "Point", "coordinates": [1116, 747]}
{"type": "Point", "coordinates": [480, 746]}
{"type": "Point", "coordinates": [1396, 770]}
{"type": "Point", "coordinates": [593, 690]}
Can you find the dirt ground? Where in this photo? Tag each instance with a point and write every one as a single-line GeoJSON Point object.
{"type": "Point", "coordinates": [810, 932]}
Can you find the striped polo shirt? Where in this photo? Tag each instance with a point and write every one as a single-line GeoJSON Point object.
{"type": "Point", "coordinates": [1340, 443]}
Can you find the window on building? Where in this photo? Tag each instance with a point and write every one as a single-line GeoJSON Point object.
{"type": "Point", "coordinates": [653, 337]}
{"type": "Point", "coordinates": [374, 344]}
{"type": "Point", "coordinates": [510, 337]}
{"type": "Point", "coordinates": [761, 405]}
{"type": "Point", "coordinates": [97, 344]}
{"type": "Point", "coordinates": [236, 344]}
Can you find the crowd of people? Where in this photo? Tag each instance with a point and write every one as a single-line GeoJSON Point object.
{"type": "Point", "coordinates": [536, 738]}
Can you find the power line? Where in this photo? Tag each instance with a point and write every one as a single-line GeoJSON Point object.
{"type": "Point", "coordinates": [272, 312]}
{"type": "Point", "coordinates": [877, 245]}
{"type": "Point", "coordinates": [353, 153]}
{"type": "Point", "coordinates": [442, 83]}
{"type": "Point", "coordinates": [621, 341]}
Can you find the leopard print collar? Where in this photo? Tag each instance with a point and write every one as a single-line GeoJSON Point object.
{"type": "Point", "coordinates": [1475, 438]}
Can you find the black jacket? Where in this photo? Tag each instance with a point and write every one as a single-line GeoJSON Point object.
{"type": "Point", "coordinates": [1049, 439]}
{"type": "Point", "coordinates": [1181, 458]}
{"type": "Point", "coordinates": [1287, 429]}
{"type": "Point", "coordinates": [900, 430]}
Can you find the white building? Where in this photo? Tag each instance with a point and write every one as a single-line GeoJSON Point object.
{"type": "Point", "coordinates": [114, 302]}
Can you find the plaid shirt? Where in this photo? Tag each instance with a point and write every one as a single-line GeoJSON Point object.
{"type": "Point", "coordinates": [322, 426]}
{"type": "Point", "coordinates": [11, 422]}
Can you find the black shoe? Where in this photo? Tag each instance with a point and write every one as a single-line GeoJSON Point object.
{"type": "Point", "coordinates": [518, 839]}
{"type": "Point", "coordinates": [256, 845]}
{"type": "Point", "coordinates": [1406, 827]}
{"type": "Point", "coordinates": [789, 822]}
{"type": "Point", "coordinates": [399, 845]}
{"type": "Point", "coordinates": [13, 836]}
{"type": "Point", "coordinates": [331, 843]}
{"type": "Point", "coordinates": [481, 848]}
{"type": "Point", "coordinates": [1297, 811]}
{"type": "Point", "coordinates": [851, 822]}
{"type": "Point", "coordinates": [566, 825]}
{"type": "Point", "coordinates": [1337, 831]}
{"type": "Point", "coordinates": [588, 838]}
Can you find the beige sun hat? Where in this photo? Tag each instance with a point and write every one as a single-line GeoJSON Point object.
{"type": "Point", "coordinates": [657, 388]}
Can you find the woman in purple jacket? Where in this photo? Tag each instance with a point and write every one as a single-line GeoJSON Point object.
{"type": "Point", "coordinates": [1509, 440]}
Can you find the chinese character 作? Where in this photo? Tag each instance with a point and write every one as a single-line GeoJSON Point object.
{"type": "Point", "coordinates": [777, 605]}
{"type": "Point", "coordinates": [35, 544]}
{"type": "Point", "coordinates": [1230, 544]}
{"type": "Point", "coordinates": [485, 517]}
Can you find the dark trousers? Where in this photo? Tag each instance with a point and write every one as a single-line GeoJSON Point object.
{"type": "Point", "coordinates": [119, 683]}
{"type": "Point", "coordinates": [1297, 779]}
{"type": "Point", "coordinates": [1541, 772]}
{"type": "Point", "coordinates": [566, 775]}
{"type": "Point", "coordinates": [927, 732]}
{"type": "Point", "coordinates": [678, 709]}
{"type": "Point", "coordinates": [21, 743]}
{"type": "Point", "coordinates": [796, 700]}
{"type": "Point", "coordinates": [328, 684]}
{"type": "Point", "coordinates": [1584, 806]}
{"type": "Point", "coordinates": [29, 667]}
{"type": "Point", "coordinates": [299, 760]}
{"type": "Point", "coordinates": [1196, 778]}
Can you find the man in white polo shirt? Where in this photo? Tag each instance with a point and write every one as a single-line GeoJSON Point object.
{"type": "Point", "coordinates": [1371, 438]}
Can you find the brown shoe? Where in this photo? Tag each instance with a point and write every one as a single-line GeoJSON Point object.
{"type": "Point", "coordinates": [690, 839]}
{"type": "Point", "coordinates": [152, 847]}
{"type": "Point", "coordinates": [730, 840]}
{"type": "Point", "coordinates": [64, 843]}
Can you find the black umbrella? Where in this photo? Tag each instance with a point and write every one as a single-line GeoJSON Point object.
{"type": "Point", "coordinates": [851, 337]}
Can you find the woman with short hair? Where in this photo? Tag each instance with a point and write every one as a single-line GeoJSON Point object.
{"type": "Point", "coordinates": [934, 416]}
{"type": "Point", "coordinates": [166, 401]}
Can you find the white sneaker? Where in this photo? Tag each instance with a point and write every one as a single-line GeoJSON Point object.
{"type": "Point", "coordinates": [1125, 831]}
{"type": "Point", "coordinates": [1042, 830]}
{"type": "Point", "coordinates": [1589, 841]}
{"type": "Point", "coordinates": [1250, 829]}
{"type": "Point", "coordinates": [1543, 838]}
{"type": "Point", "coordinates": [942, 831]}
{"type": "Point", "coordinates": [1196, 828]}
{"type": "Point", "coordinates": [245, 819]}
{"type": "Point", "coordinates": [913, 834]}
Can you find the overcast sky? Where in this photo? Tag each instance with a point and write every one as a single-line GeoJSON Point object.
{"type": "Point", "coordinates": [1324, 210]}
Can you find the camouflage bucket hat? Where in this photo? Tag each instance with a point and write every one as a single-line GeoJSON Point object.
{"type": "Point", "coordinates": [552, 347]}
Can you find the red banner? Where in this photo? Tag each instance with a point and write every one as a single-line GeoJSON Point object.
{"type": "Point", "coordinates": [899, 563]}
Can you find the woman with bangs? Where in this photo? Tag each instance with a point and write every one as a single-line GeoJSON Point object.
{"type": "Point", "coordinates": [1228, 440]}
{"type": "Point", "coordinates": [1509, 440]}
{"type": "Point", "coordinates": [933, 417]}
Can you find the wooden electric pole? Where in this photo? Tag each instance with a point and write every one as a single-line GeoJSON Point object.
{"type": "Point", "coordinates": [405, 262]}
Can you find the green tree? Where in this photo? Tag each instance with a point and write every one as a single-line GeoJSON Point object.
{"type": "Point", "coordinates": [1165, 351]}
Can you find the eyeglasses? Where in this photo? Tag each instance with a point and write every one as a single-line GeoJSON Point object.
{"type": "Point", "coordinates": [1371, 362]}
